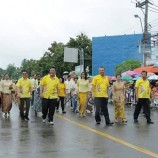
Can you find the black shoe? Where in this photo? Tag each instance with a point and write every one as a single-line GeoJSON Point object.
{"type": "Point", "coordinates": [150, 122]}
{"type": "Point", "coordinates": [98, 123]}
{"type": "Point", "coordinates": [109, 123]}
{"type": "Point", "coordinates": [135, 121]}
{"type": "Point", "coordinates": [27, 119]}
{"type": "Point", "coordinates": [64, 112]}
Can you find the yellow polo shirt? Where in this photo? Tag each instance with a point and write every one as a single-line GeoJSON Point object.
{"type": "Point", "coordinates": [25, 86]}
{"type": "Point", "coordinates": [144, 89]}
{"type": "Point", "coordinates": [101, 86]}
{"type": "Point", "coordinates": [50, 87]}
{"type": "Point", "coordinates": [62, 89]}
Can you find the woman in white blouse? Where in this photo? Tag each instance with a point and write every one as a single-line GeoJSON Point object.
{"type": "Point", "coordinates": [6, 94]}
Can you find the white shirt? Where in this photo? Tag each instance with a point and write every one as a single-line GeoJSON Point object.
{"type": "Point", "coordinates": [67, 83]}
{"type": "Point", "coordinates": [5, 86]}
{"type": "Point", "coordinates": [74, 89]}
{"type": "Point", "coordinates": [72, 84]}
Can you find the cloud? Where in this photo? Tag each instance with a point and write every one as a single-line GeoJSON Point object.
{"type": "Point", "coordinates": [28, 27]}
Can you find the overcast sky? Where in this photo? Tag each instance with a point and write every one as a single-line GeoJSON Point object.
{"type": "Point", "coordinates": [28, 27]}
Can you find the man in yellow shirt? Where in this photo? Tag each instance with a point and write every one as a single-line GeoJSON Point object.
{"type": "Point", "coordinates": [143, 94]}
{"type": "Point", "coordinates": [24, 91]}
{"type": "Point", "coordinates": [100, 85]}
{"type": "Point", "coordinates": [50, 95]}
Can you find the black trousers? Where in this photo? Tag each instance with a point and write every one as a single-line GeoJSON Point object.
{"type": "Point", "coordinates": [101, 105]}
{"type": "Point", "coordinates": [32, 100]}
{"type": "Point", "coordinates": [22, 102]}
{"type": "Point", "coordinates": [61, 101]}
{"type": "Point", "coordinates": [145, 103]}
{"type": "Point", "coordinates": [48, 105]}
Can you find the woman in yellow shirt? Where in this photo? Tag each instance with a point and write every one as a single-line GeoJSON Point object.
{"type": "Point", "coordinates": [62, 94]}
{"type": "Point", "coordinates": [82, 88]}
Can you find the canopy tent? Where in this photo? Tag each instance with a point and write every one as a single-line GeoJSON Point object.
{"type": "Point", "coordinates": [147, 68]}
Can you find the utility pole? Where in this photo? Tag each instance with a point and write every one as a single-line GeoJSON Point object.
{"type": "Point", "coordinates": [82, 57]}
{"type": "Point", "coordinates": [145, 34]}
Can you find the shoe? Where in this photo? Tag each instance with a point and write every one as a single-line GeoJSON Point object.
{"type": "Point", "coordinates": [116, 121]}
{"type": "Point", "coordinates": [80, 115]}
{"type": "Point", "coordinates": [5, 114]}
{"type": "Point", "coordinates": [57, 110]}
{"type": "Point", "coordinates": [44, 120]}
{"type": "Point", "coordinates": [51, 123]}
{"type": "Point", "coordinates": [135, 121]}
{"type": "Point", "coordinates": [84, 115]}
{"type": "Point", "coordinates": [27, 119]}
{"type": "Point", "coordinates": [64, 112]}
{"type": "Point", "coordinates": [109, 123]}
{"type": "Point", "coordinates": [98, 123]}
{"type": "Point", "coordinates": [125, 121]}
{"type": "Point", "coordinates": [8, 114]}
{"type": "Point", "coordinates": [150, 122]}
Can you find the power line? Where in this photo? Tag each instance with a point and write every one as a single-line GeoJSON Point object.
{"type": "Point", "coordinates": [153, 8]}
{"type": "Point", "coordinates": [154, 4]}
{"type": "Point", "coordinates": [153, 11]}
{"type": "Point", "coordinates": [153, 21]}
{"type": "Point", "coordinates": [154, 25]}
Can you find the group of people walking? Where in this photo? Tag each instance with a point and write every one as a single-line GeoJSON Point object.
{"type": "Point", "coordinates": [54, 92]}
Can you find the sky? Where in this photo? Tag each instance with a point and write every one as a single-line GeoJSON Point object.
{"type": "Point", "coordinates": [28, 27]}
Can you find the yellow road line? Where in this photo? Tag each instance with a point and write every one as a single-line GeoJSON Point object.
{"type": "Point", "coordinates": [140, 149]}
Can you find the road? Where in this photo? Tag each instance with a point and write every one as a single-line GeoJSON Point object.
{"type": "Point", "coordinates": [73, 136]}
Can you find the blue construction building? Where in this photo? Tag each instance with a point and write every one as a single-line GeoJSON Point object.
{"type": "Point", "coordinates": [108, 51]}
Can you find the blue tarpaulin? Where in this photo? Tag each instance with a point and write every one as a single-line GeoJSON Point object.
{"type": "Point", "coordinates": [108, 51]}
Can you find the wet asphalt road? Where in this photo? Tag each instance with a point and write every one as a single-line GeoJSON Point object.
{"type": "Point", "coordinates": [72, 136]}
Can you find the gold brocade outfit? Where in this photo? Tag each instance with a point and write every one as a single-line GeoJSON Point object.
{"type": "Point", "coordinates": [6, 87]}
{"type": "Point", "coordinates": [119, 100]}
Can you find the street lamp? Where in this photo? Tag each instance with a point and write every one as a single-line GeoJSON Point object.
{"type": "Point", "coordinates": [137, 16]}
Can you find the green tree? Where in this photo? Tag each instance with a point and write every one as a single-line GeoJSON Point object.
{"type": "Point", "coordinates": [55, 56]}
{"type": "Point", "coordinates": [82, 41]}
{"type": "Point", "coordinates": [2, 71]}
{"type": "Point", "coordinates": [11, 70]}
{"type": "Point", "coordinates": [127, 65]}
{"type": "Point", "coordinates": [30, 65]}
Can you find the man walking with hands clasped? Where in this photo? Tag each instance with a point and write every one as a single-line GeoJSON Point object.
{"type": "Point", "coordinates": [24, 91]}
{"type": "Point", "coordinates": [50, 95]}
{"type": "Point", "coordinates": [143, 94]}
{"type": "Point", "coordinates": [100, 86]}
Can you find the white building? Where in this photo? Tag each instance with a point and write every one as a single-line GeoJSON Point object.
{"type": "Point", "coordinates": [153, 59]}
